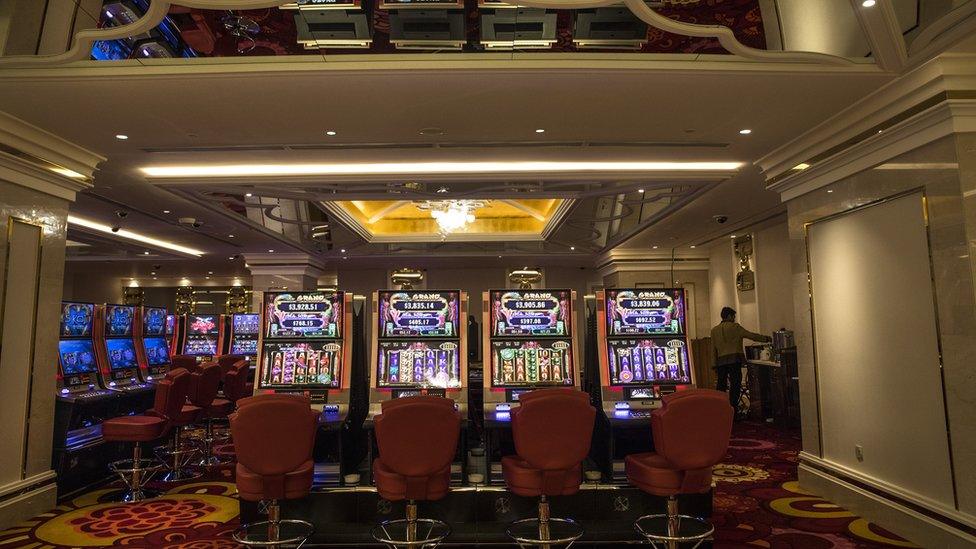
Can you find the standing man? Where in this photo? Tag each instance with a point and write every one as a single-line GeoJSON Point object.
{"type": "Point", "coordinates": [727, 339]}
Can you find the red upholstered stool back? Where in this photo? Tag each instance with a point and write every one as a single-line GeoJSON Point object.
{"type": "Point", "coordinates": [235, 382]}
{"type": "Point", "coordinates": [417, 439]}
{"type": "Point", "coordinates": [188, 362]}
{"type": "Point", "coordinates": [226, 362]}
{"type": "Point", "coordinates": [171, 393]}
{"type": "Point", "coordinates": [691, 432]}
{"type": "Point", "coordinates": [206, 381]}
{"type": "Point", "coordinates": [552, 429]}
{"type": "Point", "coordinates": [273, 438]}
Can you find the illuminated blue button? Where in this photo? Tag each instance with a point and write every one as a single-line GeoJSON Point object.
{"type": "Point", "coordinates": [622, 406]}
{"type": "Point", "coordinates": [503, 416]}
{"type": "Point", "coordinates": [503, 407]}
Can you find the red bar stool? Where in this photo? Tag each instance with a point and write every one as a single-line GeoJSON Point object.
{"type": "Point", "coordinates": [189, 362]}
{"type": "Point", "coordinates": [414, 465]}
{"type": "Point", "coordinates": [212, 408]}
{"type": "Point", "coordinates": [177, 454]}
{"type": "Point", "coordinates": [170, 395]}
{"type": "Point", "coordinates": [274, 436]}
{"type": "Point", "coordinates": [226, 362]}
{"type": "Point", "coordinates": [691, 434]}
{"type": "Point", "coordinates": [235, 389]}
{"type": "Point", "coordinates": [552, 429]}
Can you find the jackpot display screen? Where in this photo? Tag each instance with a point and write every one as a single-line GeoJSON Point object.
{"type": "Point", "coordinates": [316, 363]}
{"type": "Point", "coordinates": [529, 363]}
{"type": "Point", "coordinates": [648, 361]}
{"type": "Point", "coordinates": [419, 313]}
{"type": "Point", "coordinates": [76, 356]}
{"type": "Point", "coordinates": [76, 319]}
{"type": "Point", "coordinates": [419, 364]}
{"type": "Point", "coordinates": [118, 320]}
{"type": "Point", "coordinates": [157, 352]}
{"type": "Point", "coordinates": [202, 325]}
{"type": "Point", "coordinates": [532, 313]}
{"type": "Point", "coordinates": [153, 321]}
{"type": "Point", "coordinates": [121, 353]}
{"type": "Point", "coordinates": [249, 323]}
{"type": "Point", "coordinates": [645, 312]}
{"type": "Point", "coordinates": [301, 315]}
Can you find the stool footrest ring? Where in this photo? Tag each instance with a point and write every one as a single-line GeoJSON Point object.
{"type": "Point", "coordinates": [249, 534]}
{"type": "Point", "coordinates": [646, 529]}
{"type": "Point", "coordinates": [393, 533]}
{"type": "Point", "coordinates": [564, 532]}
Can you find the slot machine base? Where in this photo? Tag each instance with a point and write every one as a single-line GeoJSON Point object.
{"type": "Point", "coordinates": [480, 514]}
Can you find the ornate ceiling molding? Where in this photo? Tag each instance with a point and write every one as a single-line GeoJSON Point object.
{"type": "Point", "coordinates": [82, 42]}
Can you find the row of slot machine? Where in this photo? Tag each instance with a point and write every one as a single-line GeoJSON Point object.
{"type": "Point", "coordinates": [419, 345]}
{"type": "Point", "coordinates": [206, 336]}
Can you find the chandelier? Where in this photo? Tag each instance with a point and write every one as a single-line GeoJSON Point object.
{"type": "Point", "coordinates": [451, 215]}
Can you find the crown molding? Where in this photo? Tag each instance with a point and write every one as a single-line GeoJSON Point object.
{"type": "Point", "coordinates": [28, 175]}
{"type": "Point", "coordinates": [616, 261]}
{"type": "Point", "coordinates": [283, 264]}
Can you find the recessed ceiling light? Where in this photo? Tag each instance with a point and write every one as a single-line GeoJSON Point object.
{"type": "Point", "coordinates": [830, 190]}
{"type": "Point", "coordinates": [540, 130]}
{"type": "Point", "coordinates": [154, 278]}
{"type": "Point", "coordinates": [165, 211]}
{"type": "Point", "coordinates": [731, 236]}
{"type": "Point", "coordinates": [692, 245]}
{"type": "Point", "coordinates": [209, 272]}
{"type": "Point", "coordinates": [801, 166]}
{"type": "Point", "coordinates": [249, 195]}
{"type": "Point", "coordinates": [654, 247]}
{"type": "Point", "coordinates": [270, 251]}
{"type": "Point", "coordinates": [153, 273]}
{"type": "Point", "coordinates": [330, 132]}
{"type": "Point", "coordinates": [572, 247]}
{"type": "Point", "coordinates": [868, 3]}
{"type": "Point", "coordinates": [345, 257]}
{"type": "Point", "coordinates": [640, 190]}
{"type": "Point", "coordinates": [231, 257]}
{"type": "Point", "coordinates": [499, 257]}
{"type": "Point", "coordinates": [131, 235]}
{"type": "Point", "coordinates": [145, 252]}
{"type": "Point", "coordinates": [121, 136]}
{"type": "Point", "coordinates": [207, 277]}
{"type": "Point", "coordinates": [342, 250]}
{"type": "Point", "coordinates": [230, 236]}
{"type": "Point", "coordinates": [745, 131]}
{"type": "Point", "coordinates": [427, 168]}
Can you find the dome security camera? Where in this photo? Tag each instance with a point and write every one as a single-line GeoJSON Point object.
{"type": "Point", "coordinates": [720, 218]}
{"type": "Point", "coordinates": [116, 228]}
{"type": "Point", "coordinates": [122, 214]}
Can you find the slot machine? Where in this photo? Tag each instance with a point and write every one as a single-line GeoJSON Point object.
{"type": "Point", "coordinates": [200, 336]}
{"type": "Point", "coordinates": [170, 334]}
{"type": "Point", "coordinates": [152, 348]}
{"type": "Point", "coordinates": [419, 346]}
{"type": "Point", "coordinates": [120, 363]}
{"type": "Point", "coordinates": [642, 345]}
{"type": "Point", "coordinates": [82, 402]}
{"type": "Point", "coordinates": [241, 335]}
{"type": "Point", "coordinates": [306, 347]}
{"type": "Point", "coordinates": [529, 343]}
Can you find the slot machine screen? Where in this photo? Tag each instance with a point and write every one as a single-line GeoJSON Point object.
{"type": "Point", "coordinates": [157, 352]}
{"type": "Point", "coordinates": [531, 363]}
{"type": "Point", "coordinates": [645, 312]}
{"type": "Point", "coordinates": [314, 364]}
{"type": "Point", "coordinates": [153, 321]}
{"type": "Point", "coordinates": [246, 345]}
{"type": "Point", "coordinates": [532, 313]}
{"type": "Point", "coordinates": [300, 315]}
{"type": "Point", "coordinates": [76, 319]}
{"type": "Point", "coordinates": [76, 356]}
{"type": "Point", "coordinates": [419, 313]}
{"type": "Point", "coordinates": [648, 361]}
{"type": "Point", "coordinates": [118, 320]}
{"type": "Point", "coordinates": [419, 364]}
{"type": "Point", "coordinates": [248, 323]}
{"type": "Point", "coordinates": [203, 325]}
{"type": "Point", "coordinates": [170, 324]}
{"type": "Point", "coordinates": [121, 353]}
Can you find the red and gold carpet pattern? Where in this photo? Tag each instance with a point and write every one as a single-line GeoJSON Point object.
{"type": "Point", "coordinates": [757, 504]}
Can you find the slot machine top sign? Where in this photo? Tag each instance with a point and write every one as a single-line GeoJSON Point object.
{"type": "Point", "coordinates": [303, 315]}
{"type": "Point", "coordinates": [76, 319]}
{"type": "Point", "coordinates": [530, 312]}
{"type": "Point", "coordinates": [247, 323]}
{"type": "Point", "coordinates": [153, 321]}
{"type": "Point", "coordinates": [203, 325]}
{"type": "Point", "coordinates": [118, 320]}
{"type": "Point", "coordinates": [645, 312]}
{"type": "Point", "coordinates": [419, 313]}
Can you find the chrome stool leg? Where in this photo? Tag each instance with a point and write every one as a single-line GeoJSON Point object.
{"type": "Point", "coordinates": [268, 533]}
{"type": "Point", "coordinates": [545, 531]}
{"type": "Point", "coordinates": [209, 459]}
{"type": "Point", "coordinates": [670, 523]}
{"type": "Point", "coordinates": [411, 532]}
{"type": "Point", "coordinates": [135, 473]}
{"type": "Point", "coordinates": [177, 455]}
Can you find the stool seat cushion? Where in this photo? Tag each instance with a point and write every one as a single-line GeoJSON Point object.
{"type": "Point", "coordinates": [395, 487]}
{"type": "Point", "coordinates": [653, 474]}
{"type": "Point", "coordinates": [220, 407]}
{"type": "Point", "coordinates": [134, 428]}
{"type": "Point", "coordinates": [524, 480]}
{"type": "Point", "coordinates": [291, 485]}
{"type": "Point", "coordinates": [188, 414]}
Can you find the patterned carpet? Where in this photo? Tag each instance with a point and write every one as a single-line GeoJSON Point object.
{"type": "Point", "coordinates": [757, 504]}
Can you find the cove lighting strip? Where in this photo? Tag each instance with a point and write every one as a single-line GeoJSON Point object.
{"type": "Point", "coordinates": [141, 238]}
{"type": "Point", "coordinates": [421, 168]}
